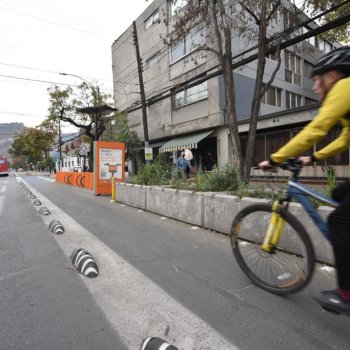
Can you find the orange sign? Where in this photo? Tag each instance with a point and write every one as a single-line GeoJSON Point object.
{"type": "Point", "coordinates": [108, 156]}
{"type": "Point", "coordinates": [113, 168]}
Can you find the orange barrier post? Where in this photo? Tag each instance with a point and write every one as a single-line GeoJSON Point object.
{"type": "Point", "coordinates": [77, 179]}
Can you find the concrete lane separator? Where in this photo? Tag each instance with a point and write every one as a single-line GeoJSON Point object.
{"type": "Point", "coordinates": [44, 211]}
{"type": "Point", "coordinates": [84, 262]}
{"type": "Point", "coordinates": [56, 227]}
{"type": "Point", "coordinates": [136, 307]}
{"type": "Point", "coordinates": [36, 202]}
{"type": "Point", "coordinates": [156, 344]}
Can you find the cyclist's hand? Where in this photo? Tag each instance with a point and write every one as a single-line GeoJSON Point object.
{"type": "Point", "coordinates": [305, 160]}
{"type": "Point", "coordinates": [266, 166]}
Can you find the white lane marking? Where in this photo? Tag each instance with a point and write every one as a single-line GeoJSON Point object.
{"type": "Point", "coordinates": [2, 203]}
{"type": "Point", "coordinates": [46, 178]}
{"type": "Point", "coordinates": [3, 188]}
{"type": "Point", "coordinates": [6, 182]}
{"type": "Point", "coordinates": [136, 307]}
{"type": "Point", "coordinates": [13, 274]}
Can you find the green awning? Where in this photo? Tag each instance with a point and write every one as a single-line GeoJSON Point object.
{"type": "Point", "coordinates": [186, 141]}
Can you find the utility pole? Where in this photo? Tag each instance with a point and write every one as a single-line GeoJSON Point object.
{"type": "Point", "coordinates": [142, 88]}
{"type": "Point", "coordinates": [60, 137]}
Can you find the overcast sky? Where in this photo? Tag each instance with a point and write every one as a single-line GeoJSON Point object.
{"type": "Point", "coordinates": [40, 38]}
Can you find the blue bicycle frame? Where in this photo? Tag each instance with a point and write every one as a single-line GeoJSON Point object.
{"type": "Point", "coordinates": [300, 193]}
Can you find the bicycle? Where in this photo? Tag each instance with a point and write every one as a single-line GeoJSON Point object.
{"type": "Point", "coordinates": [270, 244]}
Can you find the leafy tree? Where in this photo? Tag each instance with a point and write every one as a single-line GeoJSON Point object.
{"type": "Point", "coordinates": [121, 132]}
{"type": "Point", "coordinates": [19, 162]}
{"type": "Point", "coordinates": [33, 143]}
{"type": "Point", "coordinates": [63, 108]}
{"type": "Point", "coordinates": [314, 7]}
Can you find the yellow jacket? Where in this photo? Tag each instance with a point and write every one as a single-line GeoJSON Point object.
{"type": "Point", "coordinates": [335, 108]}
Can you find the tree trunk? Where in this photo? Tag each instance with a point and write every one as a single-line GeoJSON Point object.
{"type": "Point", "coordinates": [257, 95]}
{"type": "Point", "coordinates": [231, 114]}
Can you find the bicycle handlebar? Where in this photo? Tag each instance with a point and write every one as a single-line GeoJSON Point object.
{"type": "Point", "coordinates": [294, 165]}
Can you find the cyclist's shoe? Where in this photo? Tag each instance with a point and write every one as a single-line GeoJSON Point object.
{"type": "Point", "coordinates": [331, 301]}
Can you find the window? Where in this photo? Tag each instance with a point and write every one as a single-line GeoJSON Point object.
{"type": "Point", "coordinates": [272, 97]}
{"type": "Point", "coordinates": [176, 6]}
{"type": "Point", "coordinates": [307, 69]}
{"type": "Point", "coordinates": [310, 40]}
{"type": "Point", "coordinates": [292, 100]}
{"type": "Point", "coordinates": [324, 46]}
{"type": "Point", "coordinates": [191, 95]}
{"type": "Point", "coordinates": [153, 60]}
{"type": "Point", "coordinates": [270, 6]}
{"type": "Point", "coordinates": [154, 18]}
{"type": "Point", "coordinates": [290, 19]}
{"type": "Point", "coordinates": [192, 40]}
{"type": "Point", "coordinates": [293, 68]}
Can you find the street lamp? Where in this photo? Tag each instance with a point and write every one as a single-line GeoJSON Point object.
{"type": "Point", "coordinates": [96, 90]}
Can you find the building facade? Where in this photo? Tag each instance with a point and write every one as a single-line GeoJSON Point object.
{"type": "Point", "coordinates": [195, 117]}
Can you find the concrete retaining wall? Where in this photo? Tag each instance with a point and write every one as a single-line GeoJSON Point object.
{"type": "Point", "coordinates": [212, 210]}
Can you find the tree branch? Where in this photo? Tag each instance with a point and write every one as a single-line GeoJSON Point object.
{"type": "Point", "coordinates": [275, 7]}
{"type": "Point", "coordinates": [257, 20]}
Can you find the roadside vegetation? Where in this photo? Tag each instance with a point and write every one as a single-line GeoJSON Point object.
{"type": "Point", "coordinates": [225, 179]}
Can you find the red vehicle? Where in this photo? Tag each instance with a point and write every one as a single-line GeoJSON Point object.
{"type": "Point", "coordinates": [4, 166]}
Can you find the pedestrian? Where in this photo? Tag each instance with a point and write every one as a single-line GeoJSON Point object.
{"type": "Point", "coordinates": [331, 76]}
{"type": "Point", "coordinates": [182, 165]}
{"type": "Point", "coordinates": [189, 158]}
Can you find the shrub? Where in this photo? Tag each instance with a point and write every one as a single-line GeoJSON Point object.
{"type": "Point", "coordinates": [157, 173]}
{"type": "Point", "coordinates": [329, 172]}
{"type": "Point", "coordinates": [223, 179]}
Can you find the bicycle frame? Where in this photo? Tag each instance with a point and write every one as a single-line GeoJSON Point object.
{"type": "Point", "coordinates": [300, 193]}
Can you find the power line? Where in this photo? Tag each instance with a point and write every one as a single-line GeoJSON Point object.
{"type": "Point", "coordinates": [24, 114]}
{"type": "Point", "coordinates": [51, 22]}
{"type": "Point", "coordinates": [45, 70]}
{"type": "Point", "coordinates": [54, 12]}
{"type": "Point", "coordinates": [195, 81]}
{"type": "Point", "coordinates": [35, 80]}
{"type": "Point", "coordinates": [44, 81]}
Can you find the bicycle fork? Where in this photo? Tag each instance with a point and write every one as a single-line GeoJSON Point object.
{"type": "Point", "coordinates": [274, 230]}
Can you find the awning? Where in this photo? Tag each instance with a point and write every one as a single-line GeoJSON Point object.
{"type": "Point", "coordinates": [186, 141]}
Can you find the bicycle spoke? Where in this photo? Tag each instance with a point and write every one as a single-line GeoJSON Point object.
{"type": "Point", "coordinates": [284, 269]}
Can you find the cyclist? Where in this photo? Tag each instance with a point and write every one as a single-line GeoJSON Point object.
{"type": "Point", "coordinates": [331, 77]}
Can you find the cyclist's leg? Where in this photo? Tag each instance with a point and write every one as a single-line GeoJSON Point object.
{"type": "Point", "coordinates": [338, 301]}
{"type": "Point", "coordinates": [339, 226]}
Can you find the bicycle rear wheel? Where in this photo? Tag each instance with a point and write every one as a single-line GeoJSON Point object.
{"type": "Point", "coordinates": [286, 269]}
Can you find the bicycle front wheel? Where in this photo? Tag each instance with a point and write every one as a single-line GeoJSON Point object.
{"type": "Point", "coordinates": [288, 267]}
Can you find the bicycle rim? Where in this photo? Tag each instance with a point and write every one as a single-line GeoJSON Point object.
{"type": "Point", "coordinates": [285, 270]}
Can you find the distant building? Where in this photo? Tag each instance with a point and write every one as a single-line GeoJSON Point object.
{"type": "Point", "coordinates": [73, 151]}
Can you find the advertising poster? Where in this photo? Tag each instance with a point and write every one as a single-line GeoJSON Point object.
{"type": "Point", "coordinates": [110, 157]}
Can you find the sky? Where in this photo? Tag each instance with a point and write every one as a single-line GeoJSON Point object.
{"type": "Point", "coordinates": [41, 38]}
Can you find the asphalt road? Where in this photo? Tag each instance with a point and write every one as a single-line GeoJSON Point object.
{"type": "Point", "coordinates": [158, 277]}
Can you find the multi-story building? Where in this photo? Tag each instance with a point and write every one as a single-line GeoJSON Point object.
{"type": "Point", "coordinates": [195, 117]}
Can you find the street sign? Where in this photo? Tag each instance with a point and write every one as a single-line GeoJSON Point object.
{"type": "Point", "coordinates": [149, 153]}
{"type": "Point", "coordinates": [83, 150]}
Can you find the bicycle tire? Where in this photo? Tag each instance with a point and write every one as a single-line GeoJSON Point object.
{"type": "Point", "coordinates": [287, 269]}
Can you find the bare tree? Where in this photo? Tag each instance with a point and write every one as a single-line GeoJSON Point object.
{"type": "Point", "coordinates": [227, 22]}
